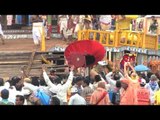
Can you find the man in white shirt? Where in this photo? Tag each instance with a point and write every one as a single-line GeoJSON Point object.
{"type": "Point", "coordinates": [59, 89]}
{"type": "Point", "coordinates": [112, 80]}
{"type": "Point", "coordinates": [76, 99]}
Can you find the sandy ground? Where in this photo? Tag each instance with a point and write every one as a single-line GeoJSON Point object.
{"type": "Point", "coordinates": [28, 45]}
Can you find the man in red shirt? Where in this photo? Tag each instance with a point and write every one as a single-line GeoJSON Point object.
{"type": "Point", "coordinates": [143, 94]}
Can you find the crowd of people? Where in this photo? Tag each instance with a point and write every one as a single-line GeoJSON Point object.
{"type": "Point", "coordinates": [104, 85]}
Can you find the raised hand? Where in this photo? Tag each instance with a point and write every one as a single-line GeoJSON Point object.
{"type": "Point", "coordinates": [43, 67]}
{"type": "Point", "coordinates": [72, 68]}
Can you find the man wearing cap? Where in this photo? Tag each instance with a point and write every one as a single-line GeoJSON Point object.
{"type": "Point", "coordinates": [102, 68]}
{"type": "Point", "coordinates": [87, 22]}
{"type": "Point", "coordinates": [143, 94]}
{"type": "Point", "coordinates": [75, 98]}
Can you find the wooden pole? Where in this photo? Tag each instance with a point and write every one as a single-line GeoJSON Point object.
{"type": "Point", "coordinates": [43, 44]}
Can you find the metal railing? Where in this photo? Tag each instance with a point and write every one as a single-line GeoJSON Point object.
{"type": "Point", "coordinates": [120, 38]}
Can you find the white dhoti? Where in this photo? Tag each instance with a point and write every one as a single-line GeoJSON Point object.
{"type": "Point", "coordinates": [1, 31]}
{"type": "Point", "coordinates": [37, 32]}
{"type": "Point", "coordinates": [63, 24]}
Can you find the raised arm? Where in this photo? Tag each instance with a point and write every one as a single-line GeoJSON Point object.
{"type": "Point", "coordinates": [129, 64]}
{"type": "Point", "coordinates": [125, 71]}
{"type": "Point", "coordinates": [69, 80]}
{"type": "Point", "coordinates": [30, 86]}
{"type": "Point", "coordinates": [46, 78]}
{"type": "Point", "coordinates": [109, 80]}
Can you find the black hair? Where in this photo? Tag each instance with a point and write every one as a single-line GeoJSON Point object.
{"type": "Point", "coordinates": [1, 81]}
{"type": "Point", "coordinates": [118, 84]}
{"type": "Point", "coordinates": [14, 80]}
{"type": "Point", "coordinates": [18, 87]}
{"type": "Point", "coordinates": [116, 76]}
{"type": "Point", "coordinates": [42, 82]}
{"type": "Point", "coordinates": [74, 81]}
{"type": "Point", "coordinates": [35, 81]}
{"type": "Point", "coordinates": [87, 81]}
{"type": "Point", "coordinates": [55, 101]}
{"type": "Point", "coordinates": [79, 78]}
{"type": "Point", "coordinates": [149, 74]}
{"type": "Point", "coordinates": [58, 80]}
{"type": "Point", "coordinates": [21, 97]}
{"type": "Point", "coordinates": [4, 94]}
{"type": "Point", "coordinates": [97, 78]}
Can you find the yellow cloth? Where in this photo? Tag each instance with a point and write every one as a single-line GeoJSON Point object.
{"type": "Point", "coordinates": [157, 97]}
{"type": "Point", "coordinates": [131, 16]}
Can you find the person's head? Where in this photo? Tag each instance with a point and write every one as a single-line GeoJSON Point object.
{"type": "Point", "coordinates": [14, 80]}
{"type": "Point", "coordinates": [149, 74]}
{"type": "Point", "coordinates": [142, 82]}
{"type": "Point", "coordinates": [133, 76]}
{"type": "Point", "coordinates": [58, 80]}
{"type": "Point", "coordinates": [86, 82]}
{"type": "Point", "coordinates": [4, 94]}
{"type": "Point", "coordinates": [101, 85]}
{"type": "Point", "coordinates": [97, 78]}
{"type": "Point", "coordinates": [79, 80]}
{"type": "Point", "coordinates": [19, 86]}
{"type": "Point", "coordinates": [35, 81]}
{"type": "Point", "coordinates": [52, 71]}
{"type": "Point", "coordinates": [1, 82]}
{"type": "Point", "coordinates": [19, 100]}
{"type": "Point", "coordinates": [153, 78]}
{"type": "Point", "coordinates": [74, 90]}
{"type": "Point", "coordinates": [116, 76]}
{"type": "Point", "coordinates": [42, 82]}
{"type": "Point", "coordinates": [54, 101]}
{"type": "Point", "coordinates": [101, 68]}
{"type": "Point", "coordinates": [124, 83]}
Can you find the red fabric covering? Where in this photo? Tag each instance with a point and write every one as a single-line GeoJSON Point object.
{"type": "Point", "coordinates": [75, 53]}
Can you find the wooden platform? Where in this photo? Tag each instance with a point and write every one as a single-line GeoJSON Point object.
{"type": "Point", "coordinates": [12, 62]}
{"type": "Point", "coordinates": [17, 53]}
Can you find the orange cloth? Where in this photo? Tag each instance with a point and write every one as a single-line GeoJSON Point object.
{"type": "Point", "coordinates": [143, 96]}
{"type": "Point", "coordinates": [128, 96]}
{"type": "Point", "coordinates": [96, 95]}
